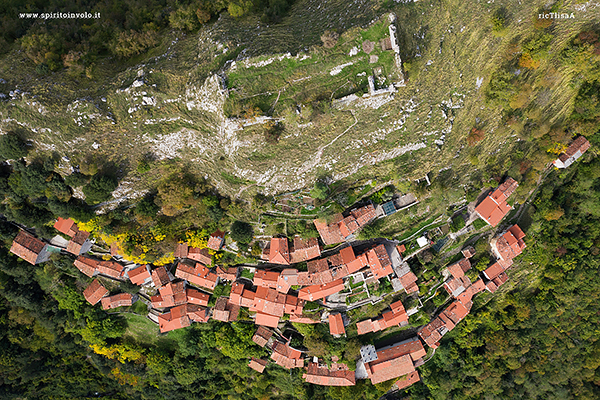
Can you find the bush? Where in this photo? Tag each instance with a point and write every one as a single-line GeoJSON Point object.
{"type": "Point", "coordinates": [479, 223]}
{"type": "Point", "coordinates": [457, 224]}
{"type": "Point", "coordinates": [319, 191]}
{"type": "Point", "coordinates": [99, 188]}
{"type": "Point", "coordinates": [242, 232]}
{"type": "Point", "coordinates": [13, 146]}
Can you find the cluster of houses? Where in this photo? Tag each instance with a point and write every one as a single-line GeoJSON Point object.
{"type": "Point", "coordinates": [505, 247]}
{"type": "Point", "coordinates": [271, 294]}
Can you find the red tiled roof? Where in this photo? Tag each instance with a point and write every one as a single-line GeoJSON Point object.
{"type": "Point", "coordinates": [288, 277]}
{"type": "Point", "coordinates": [160, 276]}
{"type": "Point", "coordinates": [316, 266]}
{"type": "Point", "coordinates": [286, 356]}
{"type": "Point", "coordinates": [235, 295]}
{"type": "Point", "coordinates": [293, 305]}
{"type": "Point", "coordinates": [197, 313]}
{"type": "Point", "coordinates": [279, 253]}
{"type": "Point", "coordinates": [493, 271]}
{"type": "Point", "coordinates": [257, 364]}
{"type": "Point", "coordinates": [408, 380]}
{"type": "Point", "coordinates": [316, 292]}
{"type": "Point", "coordinates": [94, 292]}
{"type": "Point", "coordinates": [397, 316]}
{"type": "Point", "coordinates": [176, 318]}
{"type": "Point", "coordinates": [468, 252]}
{"type": "Point", "coordinates": [262, 335]}
{"type": "Point", "coordinates": [196, 297]}
{"type": "Point", "coordinates": [459, 268]}
{"type": "Point", "coordinates": [201, 255]}
{"type": "Point", "coordinates": [575, 150]}
{"type": "Point", "coordinates": [118, 300]}
{"type": "Point", "coordinates": [432, 332]}
{"type": "Point", "coordinates": [379, 262]}
{"type": "Point", "coordinates": [175, 291]}
{"type": "Point", "coordinates": [323, 376]}
{"type": "Point", "coordinates": [110, 268]}
{"type": "Point", "coordinates": [229, 275]}
{"type": "Point", "coordinates": [409, 282]}
{"type": "Point", "coordinates": [198, 275]}
{"type": "Point", "coordinates": [395, 361]}
{"type": "Point", "coordinates": [510, 244]}
{"type": "Point", "coordinates": [336, 325]}
{"type": "Point", "coordinates": [500, 279]}
{"type": "Point", "coordinates": [76, 243]}
{"type": "Point", "coordinates": [266, 320]}
{"type": "Point", "coordinates": [181, 250]}
{"type": "Point", "coordinates": [27, 247]}
{"type": "Point", "coordinates": [87, 265]}
{"type": "Point", "coordinates": [494, 207]}
{"type": "Point", "coordinates": [365, 326]}
{"type": "Point", "coordinates": [265, 278]}
{"type": "Point", "coordinates": [330, 234]}
{"type": "Point", "coordinates": [364, 214]}
{"type": "Point", "coordinates": [303, 250]}
{"type": "Point", "coordinates": [158, 301]}
{"type": "Point", "coordinates": [225, 311]}
{"type": "Point", "coordinates": [66, 226]}
{"type": "Point", "coordinates": [303, 319]}
{"type": "Point", "coordinates": [215, 241]}
{"type": "Point", "coordinates": [139, 275]}
{"type": "Point", "coordinates": [491, 286]}
{"type": "Point", "coordinates": [269, 301]}
{"type": "Point", "coordinates": [401, 248]}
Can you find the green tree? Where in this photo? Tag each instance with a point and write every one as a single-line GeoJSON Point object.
{"type": "Point", "coordinates": [319, 190]}
{"type": "Point", "coordinates": [99, 188]}
{"type": "Point", "coordinates": [13, 146]}
{"type": "Point", "coordinates": [242, 232]}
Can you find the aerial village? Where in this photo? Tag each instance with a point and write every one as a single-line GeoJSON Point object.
{"type": "Point", "coordinates": [275, 291]}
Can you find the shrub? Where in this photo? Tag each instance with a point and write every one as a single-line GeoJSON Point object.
{"type": "Point", "coordinates": [458, 223]}
{"type": "Point", "coordinates": [13, 146]}
{"type": "Point", "coordinates": [99, 188]}
{"type": "Point", "coordinates": [242, 232]}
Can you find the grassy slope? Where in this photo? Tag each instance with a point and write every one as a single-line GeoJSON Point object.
{"type": "Point", "coordinates": [446, 46]}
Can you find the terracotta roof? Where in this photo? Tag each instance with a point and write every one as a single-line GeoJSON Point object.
{"type": "Point", "coordinates": [198, 275]}
{"type": "Point", "coordinates": [279, 253]}
{"type": "Point", "coordinates": [286, 356]}
{"type": "Point", "coordinates": [395, 361]}
{"type": "Point", "coordinates": [28, 247]}
{"type": "Point", "coordinates": [75, 245]}
{"type": "Point", "coordinates": [408, 380]}
{"type": "Point", "coordinates": [493, 271]}
{"type": "Point", "coordinates": [336, 325]}
{"type": "Point", "coordinates": [401, 248]}
{"type": "Point", "coordinates": [269, 301]}
{"type": "Point", "coordinates": [265, 278]}
{"type": "Point", "coordinates": [160, 276]}
{"type": "Point", "coordinates": [197, 313]}
{"type": "Point", "coordinates": [215, 241]}
{"type": "Point", "coordinates": [110, 268]}
{"type": "Point", "coordinates": [316, 292]}
{"type": "Point", "coordinates": [455, 286]}
{"type": "Point", "coordinates": [468, 252]}
{"type": "Point", "coordinates": [87, 265]}
{"type": "Point", "coordinates": [330, 234]}
{"type": "Point", "coordinates": [510, 244]}
{"type": "Point", "coordinates": [158, 301]}
{"type": "Point", "coordinates": [303, 319]}
{"type": "Point", "coordinates": [176, 318]}
{"type": "Point", "coordinates": [491, 286]}
{"type": "Point", "coordinates": [494, 207]}
{"type": "Point", "coordinates": [139, 275]}
{"type": "Point", "coordinates": [293, 305]}
{"type": "Point", "coordinates": [262, 335]}
{"type": "Point", "coordinates": [196, 297]}
{"type": "Point", "coordinates": [364, 214]}
{"type": "Point", "coordinates": [235, 295]}
{"type": "Point", "coordinates": [174, 291]}
{"type": "Point", "coordinates": [257, 364]}
{"type": "Point", "coordinates": [409, 282]}
{"type": "Point", "coordinates": [433, 332]}
{"type": "Point", "coordinates": [379, 262]}
{"type": "Point", "coordinates": [397, 316]}
{"type": "Point", "coordinates": [225, 311]}
{"type": "Point", "coordinates": [322, 376]}
{"type": "Point", "coordinates": [304, 249]}
{"type": "Point", "coordinates": [316, 266]}
{"type": "Point", "coordinates": [288, 277]}
{"type": "Point", "coordinates": [229, 275]}
{"type": "Point", "coordinates": [459, 268]}
{"type": "Point", "coordinates": [181, 250]}
{"type": "Point", "coordinates": [94, 292]}
{"type": "Point", "coordinates": [266, 320]}
{"type": "Point", "coordinates": [500, 279]}
{"type": "Point", "coordinates": [118, 300]}
{"type": "Point", "coordinates": [201, 255]}
{"type": "Point", "coordinates": [66, 226]}
{"type": "Point", "coordinates": [573, 152]}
